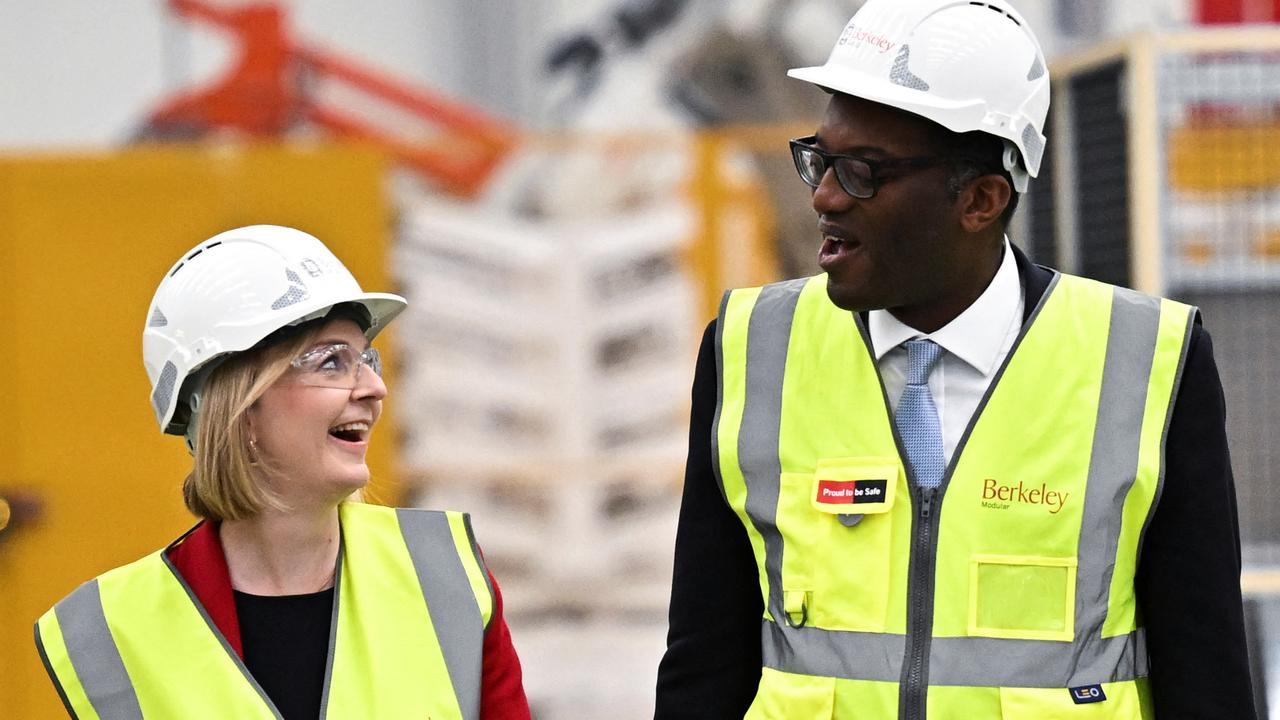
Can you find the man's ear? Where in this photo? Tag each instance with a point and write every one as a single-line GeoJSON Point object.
{"type": "Point", "coordinates": [983, 201]}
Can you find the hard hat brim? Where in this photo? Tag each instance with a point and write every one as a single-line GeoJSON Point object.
{"type": "Point", "coordinates": [381, 307]}
{"type": "Point", "coordinates": [885, 93]}
{"type": "Point", "coordinates": [955, 115]}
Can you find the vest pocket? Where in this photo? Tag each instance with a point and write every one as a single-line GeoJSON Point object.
{"type": "Point", "coordinates": [1021, 597]}
{"type": "Point", "coordinates": [1123, 700]}
{"type": "Point", "coordinates": [834, 576]}
{"type": "Point", "coordinates": [784, 696]}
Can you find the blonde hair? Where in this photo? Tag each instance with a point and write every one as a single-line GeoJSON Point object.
{"type": "Point", "coordinates": [226, 482]}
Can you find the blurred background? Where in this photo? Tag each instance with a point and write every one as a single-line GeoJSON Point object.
{"type": "Point", "coordinates": [563, 189]}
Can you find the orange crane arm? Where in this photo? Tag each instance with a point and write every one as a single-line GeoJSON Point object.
{"type": "Point", "coordinates": [266, 92]}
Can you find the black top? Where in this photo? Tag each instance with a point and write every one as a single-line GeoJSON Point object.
{"type": "Point", "coordinates": [1188, 577]}
{"type": "Point", "coordinates": [286, 647]}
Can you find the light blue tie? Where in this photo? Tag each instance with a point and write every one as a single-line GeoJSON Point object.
{"type": "Point", "coordinates": [917, 416]}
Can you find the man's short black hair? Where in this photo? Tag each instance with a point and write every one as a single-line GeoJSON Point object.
{"type": "Point", "coordinates": [976, 154]}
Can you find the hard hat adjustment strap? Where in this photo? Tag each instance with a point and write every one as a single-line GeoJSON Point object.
{"type": "Point", "coordinates": [1021, 179]}
{"type": "Point", "coordinates": [189, 433]}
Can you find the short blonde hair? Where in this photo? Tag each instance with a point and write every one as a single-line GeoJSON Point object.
{"type": "Point", "coordinates": [226, 480]}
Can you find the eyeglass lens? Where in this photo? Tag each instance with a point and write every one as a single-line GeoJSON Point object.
{"type": "Point", "coordinates": [337, 365]}
{"type": "Point", "coordinates": [854, 176]}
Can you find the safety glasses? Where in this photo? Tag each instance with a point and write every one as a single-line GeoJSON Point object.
{"type": "Point", "coordinates": [858, 176]}
{"type": "Point", "coordinates": [335, 365]}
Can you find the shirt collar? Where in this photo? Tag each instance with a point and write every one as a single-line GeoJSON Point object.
{"type": "Point", "coordinates": [976, 335]}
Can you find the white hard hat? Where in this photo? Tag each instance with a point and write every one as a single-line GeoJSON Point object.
{"type": "Point", "coordinates": [230, 292]}
{"type": "Point", "coordinates": [966, 65]}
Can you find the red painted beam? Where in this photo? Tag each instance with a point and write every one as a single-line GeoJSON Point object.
{"type": "Point", "coordinates": [1234, 12]}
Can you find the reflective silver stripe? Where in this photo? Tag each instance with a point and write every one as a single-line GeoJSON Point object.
{"type": "Point", "coordinates": [94, 654]}
{"type": "Point", "coordinates": [450, 601]}
{"type": "Point", "coordinates": [878, 656]}
{"type": "Point", "coordinates": [1035, 663]}
{"type": "Point", "coordinates": [1132, 335]}
{"type": "Point", "coordinates": [1113, 466]}
{"type": "Point", "coordinates": [833, 653]}
{"type": "Point", "coordinates": [768, 334]}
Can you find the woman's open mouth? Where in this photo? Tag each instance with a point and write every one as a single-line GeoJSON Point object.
{"type": "Point", "coordinates": [355, 433]}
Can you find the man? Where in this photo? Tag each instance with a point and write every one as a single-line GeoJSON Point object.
{"type": "Point", "coordinates": [940, 481]}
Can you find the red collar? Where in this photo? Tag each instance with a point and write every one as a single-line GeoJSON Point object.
{"type": "Point", "coordinates": [200, 561]}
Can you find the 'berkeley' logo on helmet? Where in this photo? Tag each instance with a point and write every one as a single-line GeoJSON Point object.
{"type": "Point", "coordinates": [214, 307]}
{"type": "Point", "coordinates": [852, 33]}
{"type": "Point", "coordinates": [984, 70]}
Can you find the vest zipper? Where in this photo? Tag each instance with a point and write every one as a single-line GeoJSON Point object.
{"type": "Point", "coordinates": [920, 609]}
{"type": "Point", "coordinates": [913, 684]}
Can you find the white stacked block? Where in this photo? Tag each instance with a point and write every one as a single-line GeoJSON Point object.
{"type": "Point", "coordinates": [541, 344]}
{"type": "Point", "coordinates": [544, 388]}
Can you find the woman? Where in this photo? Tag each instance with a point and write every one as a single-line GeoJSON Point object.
{"type": "Point", "coordinates": [289, 599]}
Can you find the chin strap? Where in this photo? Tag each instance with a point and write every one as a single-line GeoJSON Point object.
{"type": "Point", "coordinates": [1020, 177]}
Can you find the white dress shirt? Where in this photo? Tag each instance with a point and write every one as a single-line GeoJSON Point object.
{"type": "Point", "coordinates": [976, 343]}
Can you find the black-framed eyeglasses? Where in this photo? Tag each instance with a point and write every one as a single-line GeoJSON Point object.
{"type": "Point", "coordinates": [858, 176]}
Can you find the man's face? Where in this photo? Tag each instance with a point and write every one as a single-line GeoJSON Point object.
{"type": "Point", "coordinates": [895, 250]}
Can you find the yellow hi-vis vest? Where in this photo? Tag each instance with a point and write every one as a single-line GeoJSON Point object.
{"type": "Point", "coordinates": [411, 604]}
{"type": "Point", "coordinates": [1007, 592]}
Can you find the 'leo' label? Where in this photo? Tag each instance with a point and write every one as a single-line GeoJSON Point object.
{"type": "Point", "coordinates": [1087, 694]}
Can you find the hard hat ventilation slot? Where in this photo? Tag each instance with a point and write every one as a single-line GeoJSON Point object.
{"type": "Point", "coordinates": [157, 319]}
{"type": "Point", "coordinates": [296, 293]}
{"type": "Point", "coordinates": [902, 75]}
{"type": "Point", "coordinates": [999, 10]}
{"type": "Point", "coordinates": [1033, 144]}
{"type": "Point", "coordinates": [175, 270]}
{"type": "Point", "coordinates": [163, 393]}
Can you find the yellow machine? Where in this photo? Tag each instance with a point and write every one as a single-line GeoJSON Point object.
{"type": "Point", "coordinates": [83, 244]}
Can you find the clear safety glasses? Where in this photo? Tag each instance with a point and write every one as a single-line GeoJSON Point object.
{"type": "Point", "coordinates": [336, 365]}
{"type": "Point", "coordinates": [857, 175]}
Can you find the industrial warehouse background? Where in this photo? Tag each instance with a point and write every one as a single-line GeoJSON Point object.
{"type": "Point", "coordinates": [562, 189]}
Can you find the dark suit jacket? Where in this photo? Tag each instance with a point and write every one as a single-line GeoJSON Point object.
{"type": "Point", "coordinates": [1188, 578]}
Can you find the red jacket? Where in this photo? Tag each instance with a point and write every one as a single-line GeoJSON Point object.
{"type": "Point", "coordinates": [200, 560]}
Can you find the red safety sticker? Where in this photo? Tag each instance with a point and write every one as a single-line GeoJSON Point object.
{"type": "Point", "coordinates": [850, 492]}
